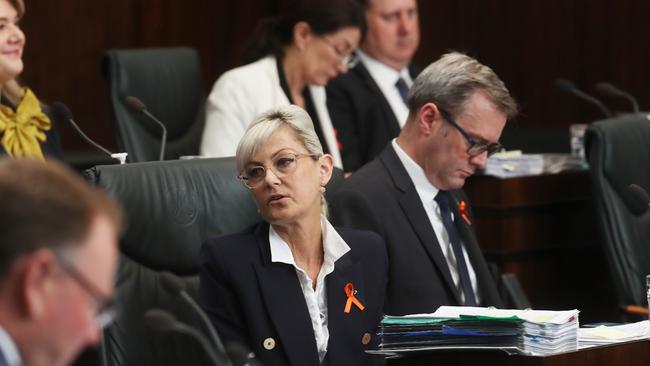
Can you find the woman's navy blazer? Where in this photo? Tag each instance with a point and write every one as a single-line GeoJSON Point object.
{"type": "Point", "coordinates": [260, 304]}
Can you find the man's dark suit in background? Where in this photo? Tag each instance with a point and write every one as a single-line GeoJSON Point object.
{"type": "Point", "coordinates": [366, 118]}
{"type": "Point", "coordinates": [361, 115]}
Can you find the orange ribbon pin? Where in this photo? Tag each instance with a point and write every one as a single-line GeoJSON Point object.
{"type": "Point", "coordinates": [339, 145]}
{"type": "Point", "coordinates": [349, 291]}
{"type": "Point", "coordinates": [462, 207]}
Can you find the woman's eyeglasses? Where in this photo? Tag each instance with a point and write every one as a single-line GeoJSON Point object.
{"type": "Point", "coordinates": [281, 165]}
{"type": "Point", "coordinates": [349, 59]}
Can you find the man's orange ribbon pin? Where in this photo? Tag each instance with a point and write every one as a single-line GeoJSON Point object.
{"type": "Point", "coordinates": [462, 207]}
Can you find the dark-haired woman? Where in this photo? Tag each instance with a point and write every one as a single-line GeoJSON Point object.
{"type": "Point", "coordinates": [295, 56]}
{"type": "Point", "coordinates": [25, 130]}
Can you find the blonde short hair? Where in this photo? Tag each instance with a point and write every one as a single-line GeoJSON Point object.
{"type": "Point", "coordinates": [267, 123]}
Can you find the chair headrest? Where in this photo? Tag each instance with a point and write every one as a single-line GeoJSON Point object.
{"type": "Point", "coordinates": [173, 206]}
{"type": "Point", "coordinates": [622, 139]}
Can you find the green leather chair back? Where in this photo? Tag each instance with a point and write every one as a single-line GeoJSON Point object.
{"type": "Point", "coordinates": [618, 151]}
{"type": "Point", "coordinates": [171, 208]}
{"type": "Point", "coordinates": [169, 82]}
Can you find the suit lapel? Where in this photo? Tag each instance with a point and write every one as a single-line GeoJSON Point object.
{"type": "Point", "coordinates": [414, 211]}
{"type": "Point", "coordinates": [286, 306]}
{"type": "Point", "coordinates": [392, 123]}
{"type": "Point", "coordinates": [345, 328]}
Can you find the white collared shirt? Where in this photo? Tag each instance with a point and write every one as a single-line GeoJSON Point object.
{"type": "Point", "coordinates": [386, 77]}
{"type": "Point", "coordinates": [427, 193]}
{"type": "Point", "coordinates": [9, 349]}
{"type": "Point", "coordinates": [334, 247]}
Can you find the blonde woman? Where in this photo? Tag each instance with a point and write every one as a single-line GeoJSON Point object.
{"type": "Point", "coordinates": [293, 288]}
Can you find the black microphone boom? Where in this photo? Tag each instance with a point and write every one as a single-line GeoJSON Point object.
{"type": "Point", "coordinates": [162, 321]}
{"type": "Point", "coordinates": [568, 87]}
{"type": "Point", "coordinates": [609, 89]}
{"type": "Point", "coordinates": [61, 111]}
{"type": "Point", "coordinates": [137, 106]}
{"type": "Point", "coordinates": [176, 286]}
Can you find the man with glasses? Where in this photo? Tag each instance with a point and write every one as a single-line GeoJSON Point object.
{"type": "Point", "coordinates": [58, 255]}
{"type": "Point", "coordinates": [368, 104]}
{"type": "Point", "coordinates": [411, 193]}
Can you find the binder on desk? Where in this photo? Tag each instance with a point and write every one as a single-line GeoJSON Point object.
{"type": "Point", "coordinates": [532, 332]}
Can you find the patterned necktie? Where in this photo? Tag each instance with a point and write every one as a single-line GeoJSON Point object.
{"type": "Point", "coordinates": [403, 90]}
{"type": "Point", "coordinates": [466, 285]}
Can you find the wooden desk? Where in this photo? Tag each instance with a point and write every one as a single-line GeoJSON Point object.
{"type": "Point", "coordinates": [543, 229]}
{"type": "Point", "coordinates": [629, 354]}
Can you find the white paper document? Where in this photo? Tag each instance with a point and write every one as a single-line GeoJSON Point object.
{"type": "Point", "coordinates": [614, 334]}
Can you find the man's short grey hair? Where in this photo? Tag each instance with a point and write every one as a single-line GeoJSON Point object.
{"type": "Point", "coordinates": [267, 123]}
{"type": "Point", "coordinates": [451, 80]}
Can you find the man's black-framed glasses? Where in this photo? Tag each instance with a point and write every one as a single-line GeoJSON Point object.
{"type": "Point", "coordinates": [105, 306]}
{"type": "Point", "coordinates": [475, 147]}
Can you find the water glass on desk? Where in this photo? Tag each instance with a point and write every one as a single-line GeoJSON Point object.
{"type": "Point", "coordinates": [578, 140]}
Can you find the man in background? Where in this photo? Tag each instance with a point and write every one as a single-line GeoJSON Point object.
{"type": "Point", "coordinates": [58, 255]}
{"type": "Point", "coordinates": [411, 193]}
{"type": "Point", "coordinates": [368, 104]}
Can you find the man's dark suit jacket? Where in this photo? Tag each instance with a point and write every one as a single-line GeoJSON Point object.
{"type": "Point", "coordinates": [250, 299]}
{"type": "Point", "coordinates": [3, 359]}
{"type": "Point", "coordinates": [361, 115]}
{"type": "Point", "coordinates": [381, 197]}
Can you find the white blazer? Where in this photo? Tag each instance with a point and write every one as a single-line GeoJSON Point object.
{"type": "Point", "coordinates": [244, 92]}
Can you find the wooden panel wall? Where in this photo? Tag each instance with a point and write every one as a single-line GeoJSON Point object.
{"type": "Point", "coordinates": [529, 44]}
{"type": "Point", "coordinates": [66, 40]}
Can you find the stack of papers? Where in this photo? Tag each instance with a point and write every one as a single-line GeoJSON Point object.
{"type": "Point", "coordinates": [614, 334]}
{"type": "Point", "coordinates": [516, 164]}
{"type": "Point", "coordinates": [532, 332]}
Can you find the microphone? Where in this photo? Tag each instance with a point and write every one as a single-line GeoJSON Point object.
{"type": "Point", "coordinates": [176, 287]}
{"type": "Point", "coordinates": [609, 89]}
{"type": "Point", "coordinates": [61, 111]}
{"type": "Point", "coordinates": [137, 106]}
{"type": "Point", "coordinates": [241, 356]}
{"type": "Point", "coordinates": [162, 321]}
{"type": "Point", "coordinates": [568, 87]}
{"type": "Point", "coordinates": [641, 198]}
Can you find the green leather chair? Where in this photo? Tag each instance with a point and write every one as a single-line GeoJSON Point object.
{"type": "Point", "coordinates": [171, 208]}
{"type": "Point", "coordinates": [618, 152]}
{"type": "Point", "coordinates": [169, 82]}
